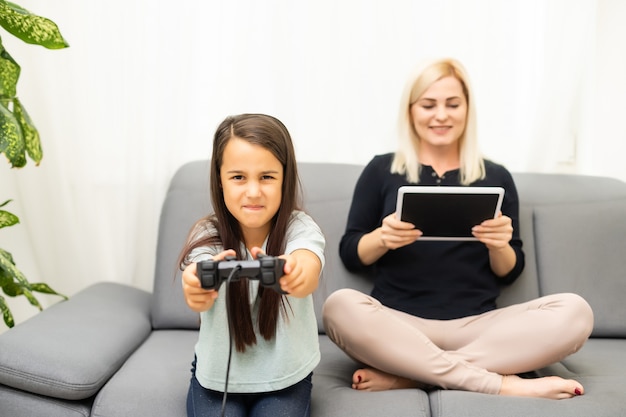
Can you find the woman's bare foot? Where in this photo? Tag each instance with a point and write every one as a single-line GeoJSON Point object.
{"type": "Point", "coordinates": [369, 379]}
{"type": "Point", "coordinates": [553, 387]}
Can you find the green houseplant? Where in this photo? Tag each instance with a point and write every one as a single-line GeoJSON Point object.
{"type": "Point", "coordinates": [19, 138]}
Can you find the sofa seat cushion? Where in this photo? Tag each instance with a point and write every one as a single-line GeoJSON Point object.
{"type": "Point", "coordinates": [73, 349]}
{"type": "Point", "coordinates": [603, 398]}
{"type": "Point", "coordinates": [599, 366]}
{"type": "Point", "coordinates": [154, 380]}
{"type": "Point", "coordinates": [333, 396]}
{"type": "Point", "coordinates": [598, 358]}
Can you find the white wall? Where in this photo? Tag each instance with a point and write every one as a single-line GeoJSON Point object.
{"type": "Point", "coordinates": [145, 82]}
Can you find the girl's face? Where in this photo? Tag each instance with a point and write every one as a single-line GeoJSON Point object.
{"type": "Point", "coordinates": [252, 179]}
{"type": "Point", "coordinates": [440, 114]}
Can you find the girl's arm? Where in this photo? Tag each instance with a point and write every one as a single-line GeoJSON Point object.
{"type": "Point", "coordinates": [302, 271]}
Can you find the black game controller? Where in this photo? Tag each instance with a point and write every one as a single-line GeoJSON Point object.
{"type": "Point", "coordinates": [267, 269]}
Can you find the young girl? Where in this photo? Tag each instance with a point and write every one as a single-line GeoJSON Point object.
{"type": "Point", "coordinates": [255, 193]}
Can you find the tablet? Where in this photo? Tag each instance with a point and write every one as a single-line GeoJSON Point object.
{"type": "Point", "coordinates": [448, 213]}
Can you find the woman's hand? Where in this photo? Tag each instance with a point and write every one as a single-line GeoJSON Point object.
{"type": "Point", "coordinates": [496, 235]}
{"type": "Point", "coordinates": [199, 299]}
{"type": "Point", "coordinates": [301, 272]}
{"type": "Point", "coordinates": [395, 233]}
{"type": "Point", "coordinates": [392, 234]}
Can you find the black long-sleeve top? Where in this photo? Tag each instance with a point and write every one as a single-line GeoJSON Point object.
{"type": "Point", "coordinates": [429, 279]}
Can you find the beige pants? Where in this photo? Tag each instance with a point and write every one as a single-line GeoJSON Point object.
{"type": "Point", "coordinates": [470, 353]}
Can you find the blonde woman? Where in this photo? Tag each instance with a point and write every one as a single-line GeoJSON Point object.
{"type": "Point", "coordinates": [431, 319]}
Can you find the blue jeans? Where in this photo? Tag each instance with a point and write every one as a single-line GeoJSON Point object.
{"type": "Point", "coordinates": [293, 401]}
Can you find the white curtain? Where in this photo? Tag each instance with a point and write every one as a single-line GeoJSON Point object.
{"type": "Point", "coordinates": [145, 82]}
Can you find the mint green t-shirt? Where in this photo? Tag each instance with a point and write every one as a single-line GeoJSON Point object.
{"type": "Point", "coordinates": [268, 365]}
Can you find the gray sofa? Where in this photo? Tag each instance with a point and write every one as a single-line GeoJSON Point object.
{"type": "Point", "coordinates": [114, 350]}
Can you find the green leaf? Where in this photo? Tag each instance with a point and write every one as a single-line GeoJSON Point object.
{"type": "Point", "coordinates": [29, 131]}
{"type": "Point", "coordinates": [9, 74]}
{"type": "Point", "coordinates": [7, 264]}
{"type": "Point", "coordinates": [31, 298]}
{"type": "Point", "coordinates": [11, 138]}
{"type": "Point", "coordinates": [30, 28]}
{"type": "Point", "coordinates": [8, 219]}
{"type": "Point", "coordinates": [6, 313]}
{"type": "Point", "coordinates": [45, 289]}
{"type": "Point", "coordinates": [12, 289]}
{"type": "Point", "coordinates": [7, 255]}
{"type": "Point", "coordinates": [20, 286]}
{"type": "Point", "coordinates": [5, 278]}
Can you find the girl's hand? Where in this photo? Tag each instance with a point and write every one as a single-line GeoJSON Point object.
{"type": "Point", "coordinates": [199, 299]}
{"type": "Point", "coordinates": [301, 272]}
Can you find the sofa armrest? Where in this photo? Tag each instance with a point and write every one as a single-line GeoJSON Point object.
{"type": "Point", "coordinates": [72, 348]}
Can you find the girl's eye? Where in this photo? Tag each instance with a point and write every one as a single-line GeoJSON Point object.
{"type": "Point", "coordinates": [237, 177]}
{"type": "Point", "coordinates": [267, 177]}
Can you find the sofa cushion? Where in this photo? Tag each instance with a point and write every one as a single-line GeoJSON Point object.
{"type": "Point", "coordinates": [73, 349]}
{"type": "Point", "coordinates": [598, 357]}
{"type": "Point", "coordinates": [525, 287]}
{"type": "Point", "coordinates": [598, 365]}
{"type": "Point", "coordinates": [327, 196]}
{"type": "Point", "coordinates": [187, 201]}
{"type": "Point", "coordinates": [16, 403]}
{"type": "Point", "coordinates": [580, 249]}
{"type": "Point", "coordinates": [603, 398]}
{"type": "Point", "coordinates": [542, 189]}
{"type": "Point", "coordinates": [333, 396]}
{"type": "Point", "coordinates": [154, 381]}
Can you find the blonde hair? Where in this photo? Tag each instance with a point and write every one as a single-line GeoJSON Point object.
{"type": "Point", "coordinates": [406, 158]}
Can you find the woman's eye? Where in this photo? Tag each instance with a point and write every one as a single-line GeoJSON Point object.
{"type": "Point", "coordinates": [428, 107]}
{"type": "Point", "coordinates": [453, 106]}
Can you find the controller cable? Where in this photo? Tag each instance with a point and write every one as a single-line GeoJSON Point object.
{"type": "Point", "coordinates": [230, 335]}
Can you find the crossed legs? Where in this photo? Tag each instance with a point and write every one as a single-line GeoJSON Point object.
{"type": "Point", "coordinates": [478, 353]}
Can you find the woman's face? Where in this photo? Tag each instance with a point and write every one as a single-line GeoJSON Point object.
{"type": "Point", "coordinates": [439, 115]}
{"type": "Point", "coordinates": [252, 179]}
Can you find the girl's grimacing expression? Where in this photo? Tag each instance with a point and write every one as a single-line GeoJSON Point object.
{"type": "Point", "coordinates": [439, 115]}
{"type": "Point", "coordinates": [252, 179]}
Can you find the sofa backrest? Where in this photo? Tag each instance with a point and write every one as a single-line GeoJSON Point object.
{"type": "Point", "coordinates": [328, 190]}
{"type": "Point", "coordinates": [577, 226]}
{"type": "Point", "coordinates": [572, 227]}
{"type": "Point", "coordinates": [186, 201]}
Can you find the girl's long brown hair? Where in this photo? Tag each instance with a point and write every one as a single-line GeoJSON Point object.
{"type": "Point", "coordinates": [271, 134]}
